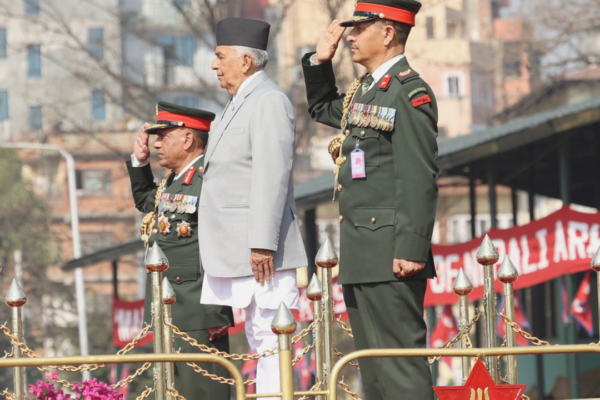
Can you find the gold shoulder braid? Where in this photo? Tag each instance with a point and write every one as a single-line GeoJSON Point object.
{"type": "Point", "coordinates": [335, 145]}
{"type": "Point", "coordinates": [150, 218]}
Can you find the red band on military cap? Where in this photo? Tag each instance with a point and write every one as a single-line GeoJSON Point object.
{"type": "Point", "coordinates": [393, 13]}
{"type": "Point", "coordinates": [190, 122]}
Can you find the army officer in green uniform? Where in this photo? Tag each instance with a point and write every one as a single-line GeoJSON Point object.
{"type": "Point", "coordinates": [386, 184]}
{"type": "Point", "coordinates": [172, 222]}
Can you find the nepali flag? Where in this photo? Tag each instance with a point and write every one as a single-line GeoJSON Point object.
{"type": "Point", "coordinates": [580, 307]}
{"type": "Point", "coordinates": [249, 371]}
{"type": "Point", "coordinates": [124, 390]}
{"type": "Point", "coordinates": [445, 329]}
{"type": "Point", "coordinates": [564, 295]}
{"type": "Point", "coordinates": [113, 374]}
{"type": "Point", "coordinates": [303, 368]}
{"type": "Point", "coordinates": [520, 318]}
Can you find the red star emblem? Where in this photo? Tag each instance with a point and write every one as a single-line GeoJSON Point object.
{"type": "Point", "coordinates": [480, 386]}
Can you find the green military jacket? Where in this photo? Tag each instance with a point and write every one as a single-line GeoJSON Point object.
{"type": "Point", "coordinates": [183, 253]}
{"type": "Point", "coordinates": [390, 213]}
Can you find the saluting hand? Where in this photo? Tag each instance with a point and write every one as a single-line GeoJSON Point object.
{"type": "Point", "coordinates": [262, 265]}
{"type": "Point", "coordinates": [140, 148]}
{"type": "Point", "coordinates": [328, 43]}
{"type": "Point", "coordinates": [405, 268]}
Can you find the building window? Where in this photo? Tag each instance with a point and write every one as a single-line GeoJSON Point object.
{"type": "Point", "coordinates": [98, 106]}
{"type": "Point", "coordinates": [454, 29]}
{"type": "Point", "coordinates": [454, 84]}
{"type": "Point", "coordinates": [96, 43]}
{"type": "Point", "coordinates": [512, 60]}
{"type": "Point", "coordinates": [93, 182]}
{"type": "Point", "coordinates": [92, 242]}
{"type": "Point", "coordinates": [34, 61]}
{"type": "Point", "coordinates": [429, 27]}
{"type": "Point", "coordinates": [3, 106]}
{"type": "Point", "coordinates": [185, 48]}
{"type": "Point", "coordinates": [453, 88]}
{"type": "Point", "coordinates": [32, 8]}
{"type": "Point", "coordinates": [186, 101]}
{"type": "Point", "coordinates": [2, 42]}
{"type": "Point", "coordinates": [35, 118]}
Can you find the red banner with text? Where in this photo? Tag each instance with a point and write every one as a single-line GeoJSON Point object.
{"type": "Point", "coordinates": [128, 321]}
{"type": "Point", "coordinates": [562, 243]}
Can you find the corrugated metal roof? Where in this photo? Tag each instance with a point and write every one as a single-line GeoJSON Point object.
{"type": "Point", "coordinates": [307, 189]}
{"type": "Point", "coordinates": [451, 146]}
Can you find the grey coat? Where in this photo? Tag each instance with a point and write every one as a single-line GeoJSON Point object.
{"type": "Point", "coordinates": [247, 199]}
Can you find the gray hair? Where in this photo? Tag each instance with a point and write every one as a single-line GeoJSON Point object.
{"type": "Point", "coordinates": [260, 57]}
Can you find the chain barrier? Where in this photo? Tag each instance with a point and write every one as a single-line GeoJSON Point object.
{"type": "Point", "coordinates": [231, 382]}
{"type": "Point", "coordinates": [346, 389]}
{"type": "Point", "coordinates": [463, 332]}
{"type": "Point", "coordinates": [316, 386]}
{"type": "Point", "coordinates": [504, 342]}
{"type": "Point", "coordinates": [515, 327]}
{"type": "Point", "coordinates": [145, 393]}
{"type": "Point", "coordinates": [135, 341]}
{"type": "Point", "coordinates": [88, 367]}
{"type": "Point", "coordinates": [31, 354]}
{"type": "Point", "coordinates": [7, 394]}
{"type": "Point", "coordinates": [344, 326]}
{"type": "Point", "coordinates": [220, 379]}
{"type": "Point", "coordinates": [339, 354]}
{"type": "Point", "coordinates": [211, 350]}
{"type": "Point", "coordinates": [175, 393]}
{"type": "Point", "coordinates": [131, 377]}
{"type": "Point", "coordinates": [305, 350]}
{"type": "Point", "coordinates": [239, 357]}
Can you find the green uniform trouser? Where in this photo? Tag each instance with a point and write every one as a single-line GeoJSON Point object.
{"type": "Point", "coordinates": [194, 386]}
{"type": "Point", "coordinates": [389, 315]}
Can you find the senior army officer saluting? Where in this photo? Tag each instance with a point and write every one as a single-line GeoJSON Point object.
{"type": "Point", "coordinates": [182, 134]}
{"type": "Point", "coordinates": [386, 187]}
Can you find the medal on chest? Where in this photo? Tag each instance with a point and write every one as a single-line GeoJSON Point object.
{"type": "Point", "coordinates": [164, 226]}
{"type": "Point", "coordinates": [184, 229]}
{"type": "Point", "coordinates": [372, 116]}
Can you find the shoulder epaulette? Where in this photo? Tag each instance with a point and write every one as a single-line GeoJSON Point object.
{"type": "Point", "coordinates": [407, 76]}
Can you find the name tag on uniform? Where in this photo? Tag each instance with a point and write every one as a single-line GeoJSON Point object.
{"type": "Point", "coordinates": [357, 162]}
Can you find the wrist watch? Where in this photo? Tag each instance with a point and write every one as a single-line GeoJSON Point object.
{"type": "Point", "coordinates": [314, 60]}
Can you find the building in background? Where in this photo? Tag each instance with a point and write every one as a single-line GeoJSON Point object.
{"type": "Point", "coordinates": [55, 59]}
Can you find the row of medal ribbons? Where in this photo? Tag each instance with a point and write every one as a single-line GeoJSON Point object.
{"type": "Point", "coordinates": [376, 117]}
{"type": "Point", "coordinates": [181, 203]}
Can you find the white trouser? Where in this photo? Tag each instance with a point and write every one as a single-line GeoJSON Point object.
{"type": "Point", "coordinates": [261, 338]}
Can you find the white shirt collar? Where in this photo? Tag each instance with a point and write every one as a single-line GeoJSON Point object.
{"type": "Point", "coordinates": [183, 171]}
{"type": "Point", "coordinates": [383, 68]}
{"type": "Point", "coordinates": [246, 83]}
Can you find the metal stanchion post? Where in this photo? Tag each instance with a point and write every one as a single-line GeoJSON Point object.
{"type": "Point", "coordinates": [488, 256]}
{"type": "Point", "coordinates": [507, 274]}
{"type": "Point", "coordinates": [327, 259]}
{"type": "Point", "coordinates": [284, 325]}
{"type": "Point", "coordinates": [156, 263]}
{"type": "Point", "coordinates": [168, 298]}
{"type": "Point", "coordinates": [15, 299]}
{"type": "Point", "coordinates": [463, 287]}
{"type": "Point", "coordinates": [314, 293]}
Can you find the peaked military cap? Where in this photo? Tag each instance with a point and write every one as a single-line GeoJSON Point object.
{"type": "Point", "coordinates": [243, 32]}
{"type": "Point", "coordinates": [169, 115]}
{"type": "Point", "coordinates": [395, 10]}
